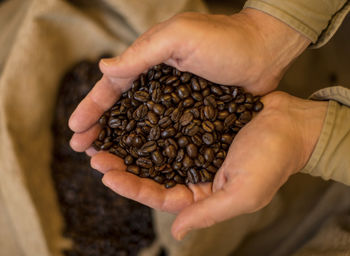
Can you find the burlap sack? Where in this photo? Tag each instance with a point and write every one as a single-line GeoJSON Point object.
{"type": "Point", "coordinates": [40, 39]}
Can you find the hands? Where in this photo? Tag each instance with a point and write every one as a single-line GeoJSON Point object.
{"type": "Point", "coordinates": [274, 145]}
{"type": "Point", "coordinates": [250, 49]}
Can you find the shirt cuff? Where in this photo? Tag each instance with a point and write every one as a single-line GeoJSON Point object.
{"type": "Point", "coordinates": [330, 158]}
{"type": "Point", "coordinates": [317, 20]}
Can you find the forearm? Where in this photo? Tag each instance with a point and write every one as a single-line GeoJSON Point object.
{"type": "Point", "coordinates": [317, 20]}
{"type": "Point", "coordinates": [330, 158]}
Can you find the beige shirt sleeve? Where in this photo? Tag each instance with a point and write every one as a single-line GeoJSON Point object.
{"type": "Point", "coordinates": [331, 156]}
{"type": "Point", "coordinates": [318, 20]}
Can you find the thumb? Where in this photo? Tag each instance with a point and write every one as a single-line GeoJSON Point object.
{"type": "Point", "coordinates": [153, 47]}
{"type": "Point", "coordinates": [232, 200]}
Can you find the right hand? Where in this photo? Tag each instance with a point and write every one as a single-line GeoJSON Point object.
{"type": "Point", "coordinates": [249, 49]}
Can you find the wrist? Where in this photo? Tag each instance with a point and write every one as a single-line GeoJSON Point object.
{"type": "Point", "coordinates": [279, 43]}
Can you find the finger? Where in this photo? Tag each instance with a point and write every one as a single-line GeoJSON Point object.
{"type": "Point", "coordinates": [104, 94]}
{"type": "Point", "coordinates": [82, 141]}
{"type": "Point", "coordinates": [148, 50]}
{"type": "Point", "coordinates": [104, 162]}
{"type": "Point", "coordinates": [148, 192]}
{"type": "Point", "coordinates": [91, 151]}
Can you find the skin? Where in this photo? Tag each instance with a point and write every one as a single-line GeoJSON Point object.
{"type": "Point", "coordinates": [250, 49]}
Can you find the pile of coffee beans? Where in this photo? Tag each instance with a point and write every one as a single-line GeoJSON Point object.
{"type": "Point", "coordinates": [97, 220]}
{"type": "Point", "coordinates": [175, 127]}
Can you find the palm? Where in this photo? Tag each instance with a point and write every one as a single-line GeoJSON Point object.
{"type": "Point", "coordinates": [144, 190]}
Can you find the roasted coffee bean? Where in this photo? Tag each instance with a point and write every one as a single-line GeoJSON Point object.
{"type": "Point", "coordinates": [128, 160]}
{"type": "Point", "coordinates": [208, 126]}
{"type": "Point", "coordinates": [119, 151]}
{"type": "Point", "coordinates": [226, 138]}
{"type": "Point", "coordinates": [157, 158]}
{"type": "Point", "coordinates": [149, 147]}
{"type": "Point", "coordinates": [133, 169]}
{"type": "Point", "coordinates": [218, 162]}
{"type": "Point", "coordinates": [144, 162]}
{"type": "Point", "coordinates": [103, 120]}
{"type": "Point", "coordinates": [106, 145]}
{"type": "Point", "coordinates": [169, 183]}
{"type": "Point", "coordinates": [193, 176]}
{"type": "Point", "coordinates": [209, 112]}
{"type": "Point", "coordinates": [188, 102]}
{"type": "Point", "coordinates": [183, 92]}
{"type": "Point", "coordinates": [164, 122]}
{"type": "Point", "coordinates": [197, 140]}
{"type": "Point", "coordinates": [186, 118]}
{"type": "Point", "coordinates": [183, 141]}
{"type": "Point", "coordinates": [197, 96]}
{"type": "Point", "coordinates": [176, 115]}
{"type": "Point", "coordinates": [168, 132]}
{"type": "Point", "coordinates": [170, 151]}
{"type": "Point", "coordinates": [258, 106]}
{"type": "Point", "coordinates": [175, 125]}
{"type": "Point", "coordinates": [192, 150]}
{"type": "Point", "coordinates": [205, 176]}
{"type": "Point", "coordinates": [245, 117]}
{"type": "Point", "coordinates": [154, 133]}
{"type": "Point", "coordinates": [178, 179]}
{"type": "Point", "coordinates": [141, 96]}
{"type": "Point", "coordinates": [209, 155]}
{"type": "Point", "coordinates": [191, 129]}
{"type": "Point", "coordinates": [223, 114]}
{"type": "Point", "coordinates": [159, 179]}
{"type": "Point", "coordinates": [208, 138]}
{"type": "Point", "coordinates": [229, 120]}
{"type": "Point", "coordinates": [158, 109]}
{"type": "Point", "coordinates": [152, 117]}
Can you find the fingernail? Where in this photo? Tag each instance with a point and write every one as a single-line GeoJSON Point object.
{"type": "Point", "coordinates": [181, 234]}
{"type": "Point", "coordinates": [110, 61]}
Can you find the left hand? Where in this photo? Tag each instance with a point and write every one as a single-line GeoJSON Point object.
{"type": "Point", "coordinates": [276, 144]}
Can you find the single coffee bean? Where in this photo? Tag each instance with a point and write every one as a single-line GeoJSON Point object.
{"type": "Point", "coordinates": [157, 158]}
{"type": "Point", "coordinates": [149, 147]}
{"type": "Point", "coordinates": [209, 155]}
{"type": "Point", "coordinates": [183, 141]}
{"type": "Point", "coordinates": [193, 176]}
{"type": "Point", "coordinates": [128, 160]}
{"type": "Point", "coordinates": [176, 115]}
{"type": "Point", "coordinates": [197, 140]}
{"type": "Point", "coordinates": [159, 179]}
{"type": "Point", "coordinates": [164, 122]}
{"type": "Point", "coordinates": [154, 133]}
{"type": "Point", "coordinates": [208, 126]}
{"type": "Point", "coordinates": [170, 151]}
{"type": "Point", "coordinates": [141, 96]}
{"type": "Point", "coordinates": [229, 120]}
{"type": "Point", "coordinates": [258, 106]}
{"type": "Point", "coordinates": [185, 77]}
{"type": "Point", "coordinates": [245, 117]}
{"type": "Point", "coordinates": [183, 92]}
{"type": "Point", "coordinates": [144, 162]}
{"type": "Point", "coordinates": [226, 138]}
{"type": "Point", "coordinates": [179, 180]}
{"type": "Point", "coordinates": [133, 169]}
{"type": "Point", "coordinates": [186, 118]}
{"type": "Point", "coordinates": [158, 109]}
{"type": "Point", "coordinates": [168, 132]}
{"type": "Point", "coordinates": [169, 183]}
{"type": "Point", "coordinates": [192, 150]}
{"type": "Point", "coordinates": [209, 112]}
{"type": "Point", "coordinates": [187, 162]}
{"type": "Point", "coordinates": [208, 138]}
{"type": "Point", "coordinates": [152, 117]}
